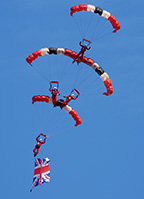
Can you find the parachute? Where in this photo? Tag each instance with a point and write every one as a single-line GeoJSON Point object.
{"type": "Point", "coordinates": [67, 52]}
{"type": "Point", "coordinates": [67, 108]}
{"type": "Point", "coordinates": [94, 9]}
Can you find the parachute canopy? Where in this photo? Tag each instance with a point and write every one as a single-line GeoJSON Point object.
{"type": "Point", "coordinates": [67, 108]}
{"type": "Point", "coordinates": [67, 52]}
{"type": "Point", "coordinates": [98, 10]}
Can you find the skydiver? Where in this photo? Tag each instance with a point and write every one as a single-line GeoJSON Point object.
{"type": "Point", "coordinates": [81, 53]}
{"type": "Point", "coordinates": [68, 99]}
{"type": "Point", "coordinates": [54, 93]}
{"type": "Point", "coordinates": [39, 143]}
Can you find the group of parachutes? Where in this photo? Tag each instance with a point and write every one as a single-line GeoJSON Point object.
{"type": "Point", "coordinates": [78, 58]}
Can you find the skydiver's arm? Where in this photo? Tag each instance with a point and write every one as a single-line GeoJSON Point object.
{"type": "Point", "coordinates": [80, 44]}
{"type": "Point", "coordinates": [44, 141]}
{"type": "Point", "coordinates": [75, 97]}
{"type": "Point", "coordinates": [37, 138]}
{"type": "Point", "coordinates": [88, 48]}
{"type": "Point", "coordinates": [50, 89]}
{"type": "Point", "coordinates": [58, 92]}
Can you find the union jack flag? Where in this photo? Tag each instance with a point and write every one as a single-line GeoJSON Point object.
{"type": "Point", "coordinates": [41, 172]}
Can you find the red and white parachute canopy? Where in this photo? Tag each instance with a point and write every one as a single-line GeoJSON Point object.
{"type": "Point", "coordinates": [95, 66]}
{"type": "Point", "coordinates": [67, 108]}
{"type": "Point", "coordinates": [94, 9]}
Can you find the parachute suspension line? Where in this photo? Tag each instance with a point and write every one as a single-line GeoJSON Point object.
{"type": "Point", "coordinates": [58, 71]}
{"type": "Point", "coordinates": [78, 27]}
{"type": "Point", "coordinates": [36, 118]}
{"type": "Point", "coordinates": [77, 76]}
{"type": "Point", "coordinates": [85, 79]}
{"type": "Point", "coordinates": [39, 120]}
{"type": "Point", "coordinates": [90, 85]}
{"type": "Point", "coordinates": [106, 34]}
{"type": "Point", "coordinates": [81, 24]}
{"type": "Point", "coordinates": [63, 74]}
{"type": "Point", "coordinates": [45, 117]}
{"type": "Point", "coordinates": [87, 29]}
{"type": "Point", "coordinates": [95, 30]}
{"type": "Point", "coordinates": [52, 125]}
{"type": "Point", "coordinates": [102, 30]}
{"type": "Point", "coordinates": [41, 74]}
{"type": "Point", "coordinates": [53, 134]}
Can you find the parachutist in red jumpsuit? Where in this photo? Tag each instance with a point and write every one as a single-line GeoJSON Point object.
{"type": "Point", "coordinates": [68, 99]}
{"type": "Point", "coordinates": [54, 93]}
{"type": "Point", "coordinates": [81, 53]}
{"type": "Point", "coordinates": [39, 143]}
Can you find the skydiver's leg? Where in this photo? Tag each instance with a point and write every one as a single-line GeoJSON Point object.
{"type": "Point", "coordinates": [38, 150]}
{"type": "Point", "coordinates": [81, 56]}
{"type": "Point", "coordinates": [34, 149]}
{"type": "Point", "coordinates": [78, 55]}
{"type": "Point", "coordinates": [59, 102]}
{"type": "Point", "coordinates": [54, 100]}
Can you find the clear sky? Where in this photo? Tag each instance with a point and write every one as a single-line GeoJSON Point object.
{"type": "Point", "coordinates": [103, 157]}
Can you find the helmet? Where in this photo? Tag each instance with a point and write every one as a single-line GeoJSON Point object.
{"type": "Point", "coordinates": [72, 95]}
{"type": "Point", "coordinates": [55, 88]}
{"type": "Point", "coordinates": [40, 140]}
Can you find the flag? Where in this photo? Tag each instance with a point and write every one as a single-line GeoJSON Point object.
{"type": "Point", "coordinates": [41, 172]}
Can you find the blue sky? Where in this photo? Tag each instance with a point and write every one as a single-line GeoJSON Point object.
{"type": "Point", "coordinates": [103, 157]}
